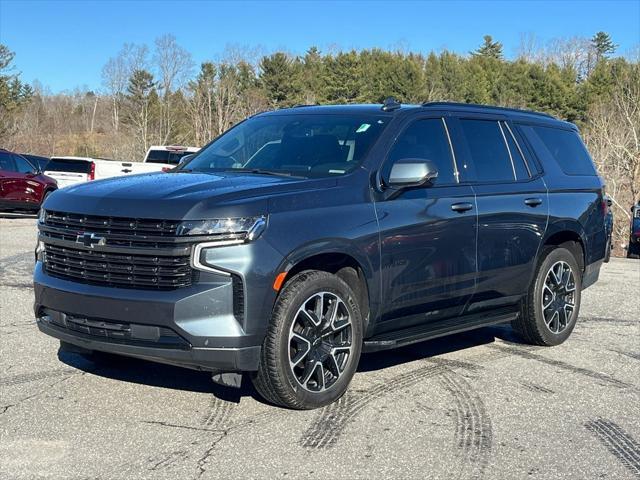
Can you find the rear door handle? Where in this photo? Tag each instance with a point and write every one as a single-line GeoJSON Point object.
{"type": "Point", "coordinates": [461, 207]}
{"type": "Point", "coordinates": [533, 202]}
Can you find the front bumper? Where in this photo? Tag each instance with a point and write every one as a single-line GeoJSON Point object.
{"type": "Point", "coordinates": [193, 327]}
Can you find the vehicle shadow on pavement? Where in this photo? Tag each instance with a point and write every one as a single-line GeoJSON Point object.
{"type": "Point", "coordinates": [433, 348]}
{"type": "Point", "coordinates": [135, 370]}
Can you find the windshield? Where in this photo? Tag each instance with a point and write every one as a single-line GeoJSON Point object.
{"type": "Point", "coordinates": [302, 145]}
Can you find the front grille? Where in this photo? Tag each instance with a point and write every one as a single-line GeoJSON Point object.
{"type": "Point", "coordinates": [118, 269]}
{"type": "Point", "coordinates": [111, 225]}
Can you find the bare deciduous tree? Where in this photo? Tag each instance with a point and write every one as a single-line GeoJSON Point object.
{"type": "Point", "coordinates": [174, 65]}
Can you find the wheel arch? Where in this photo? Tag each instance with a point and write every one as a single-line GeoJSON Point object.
{"type": "Point", "coordinates": [568, 236]}
{"type": "Point", "coordinates": [343, 261]}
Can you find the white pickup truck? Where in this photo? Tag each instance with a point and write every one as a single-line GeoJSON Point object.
{"type": "Point", "coordinates": [71, 170]}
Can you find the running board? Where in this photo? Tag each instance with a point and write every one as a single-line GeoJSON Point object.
{"type": "Point", "coordinates": [420, 333]}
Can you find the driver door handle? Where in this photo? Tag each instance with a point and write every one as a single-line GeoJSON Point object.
{"type": "Point", "coordinates": [461, 207]}
{"type": "Point", "coordinates": [533, 202]}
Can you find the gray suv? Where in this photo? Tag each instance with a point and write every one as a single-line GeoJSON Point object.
{"type": "Point", "coordinates": [302, 237]}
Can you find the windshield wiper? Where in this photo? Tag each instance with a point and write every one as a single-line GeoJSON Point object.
{"type": "Point", "coordinates": [261, 171]}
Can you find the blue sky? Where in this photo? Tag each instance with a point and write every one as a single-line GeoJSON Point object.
{"type": "Point", "coordinates": [64, 44]}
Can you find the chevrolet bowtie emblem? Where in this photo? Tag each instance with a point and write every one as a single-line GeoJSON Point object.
{"type": "Point", "coordinates": [90, 240]}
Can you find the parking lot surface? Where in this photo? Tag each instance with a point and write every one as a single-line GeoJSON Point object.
{"type": "Point", "coordinates": [476, 405]}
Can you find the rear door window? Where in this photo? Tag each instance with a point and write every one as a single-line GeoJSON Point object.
{"type": "Point", "coordinates": [519, 163]}
{"type": "Point", "coordinates": [68, 165]}
{"type": "Point", "coordinates": [566, 147]}
{"type": "Point", "coordinates": [488, 150]}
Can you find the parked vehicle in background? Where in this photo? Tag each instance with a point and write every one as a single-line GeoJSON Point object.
{"type": "Point", "coordinates": [37, 160]}
{"type": "Point", "coordinates": [633, 250]}
{"type": "Point", "coordinates": [23, 186]}
{"type": "Point", "coordinates": [168, 154]}
{"type": "Point", "coordinates": [608, 225]}
{"type": "Point", "coordinates": [303, 236]}
{"type": "Point", "coordinates": [71, 170]}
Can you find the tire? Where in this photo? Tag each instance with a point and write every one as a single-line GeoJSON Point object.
{"type": "Point", "coordinates": [607, 255]}
{"type": "Point", "coordinates": [294, 344]}
{"type": "Point", "coordinates": [633, 250]}
{"type": "Point", "coordinates": [540, 326]}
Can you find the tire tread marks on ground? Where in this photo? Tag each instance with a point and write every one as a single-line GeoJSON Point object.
{"type": "Point", "coordinates": [529, 355]}
{"type": "Point", "coordinates": [474, 433]}
{"type": "Point", "coordinates": [624, 447]}
{"type": "Point", "coordinates": [333, 419]}
{"type": "Point", "coordinates": [32, 377]}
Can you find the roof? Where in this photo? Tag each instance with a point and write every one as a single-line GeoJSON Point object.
{"type": "Point", "coordinates": [377, 109]}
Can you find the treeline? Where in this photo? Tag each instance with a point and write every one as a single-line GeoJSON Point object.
{"type": "Point", "coordinates": [158, 96]}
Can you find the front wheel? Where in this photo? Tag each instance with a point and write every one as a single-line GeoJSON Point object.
{"type": "Point", "coordinates": [313, 344]}
{"type": "Point", "coordinates": [549, 311]}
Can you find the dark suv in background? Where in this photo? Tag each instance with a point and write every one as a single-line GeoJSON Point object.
{"type": "Point", "coordinates": [633, 249]}
{"type": "Point", "coordinates": [304, 236]}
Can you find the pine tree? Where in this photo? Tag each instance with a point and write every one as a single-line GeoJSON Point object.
{"type": "Point", "coordinates": [141, 98]}
{"type": "Point", "coordinates": [280, 79]}
{"type": "Point", "coordinates": [602, 45]}
{"type": "Point", "coordinates": [489, 49]}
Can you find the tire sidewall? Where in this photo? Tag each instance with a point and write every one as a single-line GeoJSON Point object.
{"type": "Point", "coordinates": [326, 283]}
{"type": "Point", "coordinates": [556, 255]}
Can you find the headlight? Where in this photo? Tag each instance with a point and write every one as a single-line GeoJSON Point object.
{"type": "Point", "coordinates": [226, 232]}
{"type": "Point", "coordinates": [240, 228]}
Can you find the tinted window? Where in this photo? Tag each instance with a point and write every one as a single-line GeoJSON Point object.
{"type": "Point", "coordinates": [516, 156]}
{"type": "Point", "coordinates": [166, 156]}
{"type": "Point", "coordinates": [6, 162]}
{"type": "Point", "coordinates": [37, 160]}
{"type": "Point", "coordinates": [568, 150]}
{"type": "Point", "coordinates": [425, 139]}
{"type": "Point", "coordinates": [309, 145]}
{"type": "Point", "coordinates": [68, 165]}
{"type": "Point", "coordinates": [22, 165]}
{"type": "Point", "coordinates": [488, 151]}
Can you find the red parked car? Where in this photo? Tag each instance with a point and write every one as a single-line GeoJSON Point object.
{"type": "Point", "coordinates": [23, 186]}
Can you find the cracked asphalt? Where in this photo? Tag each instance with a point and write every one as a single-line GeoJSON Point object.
{"type": "Point", "coordinates": [471, 406]}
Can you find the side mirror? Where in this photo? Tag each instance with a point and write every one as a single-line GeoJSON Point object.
{"type": "Point", "coordinates": [412, 172]}
{"type": "Point", "coordinates": [185, 159]}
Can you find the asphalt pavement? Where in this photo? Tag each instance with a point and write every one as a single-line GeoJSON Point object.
{"type": "Point", "coordinates": [470, 406]}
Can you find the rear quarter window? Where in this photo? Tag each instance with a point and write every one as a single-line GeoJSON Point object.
{"type": "Point", "coordinates": [566, 147]}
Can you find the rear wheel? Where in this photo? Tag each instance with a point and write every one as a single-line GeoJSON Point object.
{"type": "Point", "coordinates": [313, 344]}
{"type": "Point", "coordinates": [550, 309]}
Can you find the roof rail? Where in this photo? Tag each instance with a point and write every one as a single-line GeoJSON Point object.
{"type": "Point", "coordinates": [300, 105]}
{"type": "Point", "coordinates": [491, 107]}
{"type": "Point", "coordinates": [390, 104]}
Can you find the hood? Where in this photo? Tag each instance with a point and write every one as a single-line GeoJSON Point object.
{"type": "Point", "coordinates": [176, 196]}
